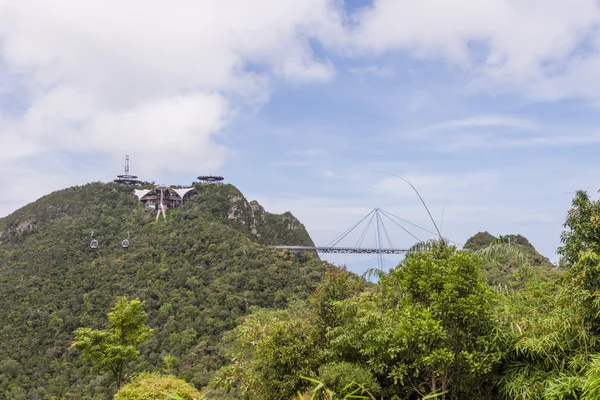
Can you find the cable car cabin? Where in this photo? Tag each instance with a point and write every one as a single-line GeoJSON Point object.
{"type": "Point", "coordinates": [94, 244]}
{"type": "Point", "coordinates": [125, 244]}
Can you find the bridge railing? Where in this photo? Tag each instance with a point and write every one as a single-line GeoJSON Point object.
{"type": "Point", "coordinates": [351, 250]}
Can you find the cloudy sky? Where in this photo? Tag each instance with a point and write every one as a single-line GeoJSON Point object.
{"type": "Point", "coordinates": [489, 107]}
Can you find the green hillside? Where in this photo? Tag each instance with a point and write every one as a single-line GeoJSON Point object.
{"type": "Point", "coordinates": [498, 272]}
{"type": "Point", "coordinates": [483, 239]}
{"type": "Point", "coordinates": [198, 274]}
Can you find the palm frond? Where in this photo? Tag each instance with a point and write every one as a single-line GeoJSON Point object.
{"type": "Point", "coordinates": [373, 272]}
{"type": "Point", "coordinates": [428, 246]}
{"type": "Point", "coordinates": [502, 248]}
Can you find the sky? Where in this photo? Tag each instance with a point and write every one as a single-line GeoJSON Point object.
{"type": "Point", "coordinates": [489, 107]}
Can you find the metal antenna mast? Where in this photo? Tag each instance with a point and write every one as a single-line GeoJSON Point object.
{"type": "Point", "coordinates": [127, 164]}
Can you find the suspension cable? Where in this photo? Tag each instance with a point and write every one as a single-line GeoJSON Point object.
{"type": "Point", "coordinates": [385, 230]}
{"type": "Point", "coordinates": [364, 233]}
{"type": "Point", "coordinates": [380, 261]}
{"type": "Point", "coordinates": [401, 227]}
{"type": "Point", "coordinates": [343, 235]}
{"type": "Point", "coordinates": [388, 214]}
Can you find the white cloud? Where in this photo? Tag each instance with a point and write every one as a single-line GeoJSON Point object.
{"type": "Point", "coordinates": [309, 152]}
{"type": "Point", "coordinates": [290, 164]}
{"type": "Point", "coordinates": [484, 121]}
{"type": "Point", "coordinates": [14, 146]}
{"type": "Point", "coordinates": [483, 140]}
{"type": "Point", "coordinates": [158, 80]}
{"type": "Point", "coordinates": [167, 78]}
{"type": "Point", "coordinates": [160, 77]}
{"type": "Point", "coordinates": [114, 75]}
{"type": "Point", "coordinates": [329, 174]}
{"type": "Point", "coordinates": [498, 132]}
{"type": "Point", "coordinates": [528, 46]}
{"type": "Point", "coordinates": [436, 186]}
{"type": "Point", "coordinates": [379, 71]}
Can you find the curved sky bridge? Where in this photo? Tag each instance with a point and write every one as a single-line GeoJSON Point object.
{"type": "Point", "coordinates": [344, 250]}
{"type": "Point", "coordinates": [379, 242]}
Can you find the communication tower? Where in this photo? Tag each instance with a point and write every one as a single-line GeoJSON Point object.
{"type": "Point", "coordinates": [127, 179]}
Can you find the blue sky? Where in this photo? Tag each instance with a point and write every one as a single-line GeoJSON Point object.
{"type": "Point", "coordinates": [489, 107]}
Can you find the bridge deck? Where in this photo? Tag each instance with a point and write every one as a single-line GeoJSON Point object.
{"type": "Point", "coordinates": [353, 250]}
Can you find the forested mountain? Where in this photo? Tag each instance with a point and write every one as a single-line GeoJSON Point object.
{"type": "Point", "coordinates": [197, 274]}
{"type": "Point", "coordinates": [483, 239]}
{"type": "Point", "coordinates": [240, 320]}
{"type": "Point", "coordinates": [497, 272]}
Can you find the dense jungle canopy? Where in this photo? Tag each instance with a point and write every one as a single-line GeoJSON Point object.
{"type": "Point", "coordinates": [228, 317]}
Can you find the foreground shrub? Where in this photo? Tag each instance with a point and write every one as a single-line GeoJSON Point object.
{"type": "Point", "coordinates": [158, 387]}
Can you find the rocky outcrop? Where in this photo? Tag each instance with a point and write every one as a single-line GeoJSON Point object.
{"type": "Point", "coordinates": [24, 226]}
{"type": "Point", "coordinates": [28, 225]}
{"type": "Point", "coordinates": [265, 227]}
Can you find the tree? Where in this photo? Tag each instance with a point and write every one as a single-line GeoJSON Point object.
{"type": "Point", "coordinates": [110, 350]}
{"type": "Point", "coordinates": [270, 351]}
{"type": "Point", "coordinates": [582, 229]}
{"type": "Point", "coordinates": [337, 284]}
{"type": "Point", "coordinates": [550, 329]}
{"type": "Point", "coordinates": [546, 340]}
{"type": "Point", "coordinates": [426, 329]}
{"type": "Point", "coordinates": [148, 386]}
{"type": "Point", "coordinates": [580, 254]}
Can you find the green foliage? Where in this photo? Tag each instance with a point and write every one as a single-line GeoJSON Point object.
{"type": "Point", "coordinates": [484, 239]}
{"type": "Point", "coordinates": [591, 382]}
{"type": "Point", "coordinates": [503, 254]}
{"type": "Point", "coordinates": [148, 386]}
{"type": "Point", "coordinates": [168, 362]}
{"type": "Point", "coordinates": [500, 248]}
{"type": "Point", "coordinates": [580, 255]}
{"type": "Point", "coordinates": [336, 376]}
{"type": "Point", "coordinates": [429, 246]}
{"type": "Point", "coordinates": [430, 328]}
{"type": "Point", "coordinates": [548, 343]}
{"type": "Point", "coordinates": [112, 349]}
{"type": "Point", "coordinates": [564, 388]}
{"type": "Point", "coordinates": [337, 285]}
{"type": "Point", "coordinates": [269, 351]}
{"type": "Point", "coordinates": [479, 241]}
{"type": "Point", "coordinates": [353, 390]}
{"type": "Point", "coordinates": [550, 329]}
{"type": "Point", "coordinates": [198, 275]}
{"type": "Point", "coordinates": [426, 328]}
{"type": "Point", "coordinates": [582, 229]}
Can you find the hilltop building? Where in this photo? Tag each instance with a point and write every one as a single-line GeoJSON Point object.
{"type": "Point", "coordinates": [162, 194]}
{"type": "Point", "coordinates": [162, 197]}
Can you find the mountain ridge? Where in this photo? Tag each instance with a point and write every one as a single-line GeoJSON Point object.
{"type": "Point", "coordinates": [248, 216]}
{"type": "Point", "coordinates": [198, 273]}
